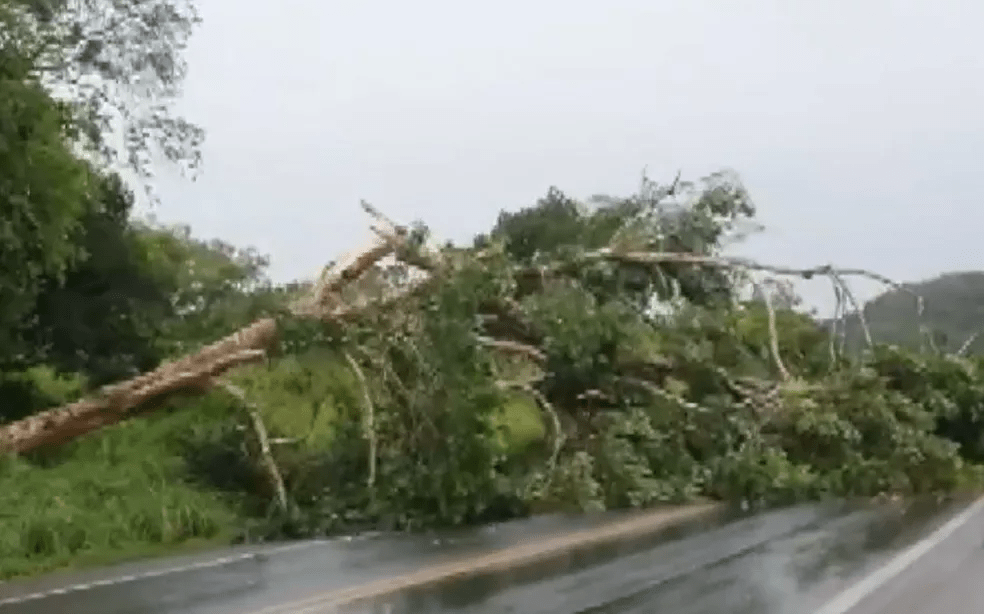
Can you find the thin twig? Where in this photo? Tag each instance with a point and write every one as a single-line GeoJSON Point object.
{"type": "Point", "coordinates": [966, 344]}
{"type": "Point", "coordinates": [558, 440]}
{"type": "Point", "coordinates": [837, 322]}
{"type": "Point", "coordinates": [858, 309]}
{"type": "Point", "coordinates": [259, 429]}
{"type": "Point", "coordinates": [662, 393]}
{"type": "Point", "coordinates": [773, 331]}
{"type": "Point", "coordinates": [514, 347]}
{"type": "Point", "coordinates": [547, 408]}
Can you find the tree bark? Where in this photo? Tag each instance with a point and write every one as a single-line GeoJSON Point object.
{"type": "Point", "coordinates": [115, 402]}
{"type": "Point", "coordinates": [193, 373]}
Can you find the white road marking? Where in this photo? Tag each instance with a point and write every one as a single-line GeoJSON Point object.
{"type": "Point", "coordinates": [851, 597]}
{"type": "Point", "coordinates": [841, 604]}
{"type": "Point", "coordinates": [211, 563]}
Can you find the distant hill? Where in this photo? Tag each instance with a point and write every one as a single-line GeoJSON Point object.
{"type": "Point", "coordinates": [954, 311]}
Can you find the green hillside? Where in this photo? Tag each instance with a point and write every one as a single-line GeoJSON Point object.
{"type": "Point", "coordinates": [953, 311]}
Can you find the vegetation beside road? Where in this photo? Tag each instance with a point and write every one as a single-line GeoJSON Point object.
{"type": "Point", "coordinates": [578, 355]}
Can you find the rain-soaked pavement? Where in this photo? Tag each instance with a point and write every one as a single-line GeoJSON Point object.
{"type": "Point", "coordinates": [790, 561]}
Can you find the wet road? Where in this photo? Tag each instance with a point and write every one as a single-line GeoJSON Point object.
{"type": "Point", "coordinates": [845, 557]}
{"type": "Point", "coordinates": [943, 572]}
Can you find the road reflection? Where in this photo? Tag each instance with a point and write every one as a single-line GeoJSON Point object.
{"type": "Point", "coordinates": [788, 561]}
{"type": "Point", "coordinates": [780, 562]}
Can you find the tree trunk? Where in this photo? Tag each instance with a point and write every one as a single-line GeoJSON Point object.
{"type": "Point", "coordinates": [115, 402]}
{"type": "Point", "coordinates": [194, 373]}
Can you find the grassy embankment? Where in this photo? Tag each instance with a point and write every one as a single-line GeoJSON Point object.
{"type": "Point", "coordinates": [147, 487]}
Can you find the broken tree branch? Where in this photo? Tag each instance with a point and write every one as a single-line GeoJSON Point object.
{"type": "Point", "coordinates": [192, 373]}
{"type": "Point", "coordinates": [114, 402]}
{"type": "Point", "coordinates": [324, 297]}
{"type": "Point", "coordinates": [558, 441]}
{"type": "Point", "coordinates": [263, 440]}
{"type": "Point", "coordinates": [514, 347]}
{"type": "Point", "coordinates": [845, 290]}
{"type": "Point", "coordinates": [370, 416]}
{"type": "Point", "coordinates": [773, 332]}
{"type": "Point", "coordinates": [966, 344]}
{"type": "Point", "coordinates": [838, 323]}
{"type": "Point", "coordinates": [836, 274]}
{"type": "Point", "coordinates": [654, 258]}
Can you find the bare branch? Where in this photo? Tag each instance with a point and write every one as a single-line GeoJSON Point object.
{"type": "Point", "coordinates": [262, 438]}
{"type": "Point", "coordinates": [745, 263]}
{"type": "Point", "coordinates": [113, 403]}
{"type": "Point", "coordinates": [773, 333]}
{"type": "Point", "coordinates": [858, 309]}
{"type": "Point", "coordinates": [545, 407]}
{"type": "Point", "coordinates": [518, 384]}
{"type": "Point", "coordinates": [514, 347]}
{"type": "Point", "coordinates": [370, 416]}
{"type": "Point", "coordinates": [966, 344]}
{"type": "Point", "coordinates": [548, 408]}
{"type": "Point", "coordinates": [323, 298]}
{"type": "Point", "coordinates": [661, 393]}
{"type": "Point", "coordinates": [838, 320]}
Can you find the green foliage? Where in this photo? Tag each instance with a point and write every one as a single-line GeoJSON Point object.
{"type": "Point", "coordinates": [34, 389]}
{"type": "Point", "coordinates": [127, 490]}
{"type": "Point", "coordinates": [120, 65]}
{"type": "Point", "coordinates": [520, 424]}
{"type": "Point", "coordinates": [212, 287]}
{"type": "Point", "coordinates": [111, 302]}
{"type": "Point", "coordinates": [557, 363]}
{"type": "Point", "coordinates": [802, 344]}
{"type": "Point", "coordinates": [437, 409]}
{"type": "Point", "coordinates": [303, 397]}
{"type": "Point", "coordinates": [950, 388]}
{"type": "Point", "coordinates": [43, 187]}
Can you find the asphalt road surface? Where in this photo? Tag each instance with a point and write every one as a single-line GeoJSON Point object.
{"type": "Point", "coordinates": [943, 572]}
{"type": "Point", "coordinates": [916, 558]}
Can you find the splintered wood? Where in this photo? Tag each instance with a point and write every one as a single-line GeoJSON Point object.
{"type": "Point", "coordinates": [113, 403]}
{"type": "Point", "coordinates": [195, 373]}
{"type": "Point", "coordinates": [359, 282]}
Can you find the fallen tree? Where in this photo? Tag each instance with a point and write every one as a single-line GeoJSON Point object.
{"type": "Point", "coordinates": [661, 370]}
{"type": "Point", "coordinates": [193, 373]}
{"type": "Point", "coordinates": [326, 301]}
{"type": "Point", "coordinates": [116, 402]}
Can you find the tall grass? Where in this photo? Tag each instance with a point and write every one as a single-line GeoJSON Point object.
{"type": "Point", "coordinates": [125, 491]}
{"type": "Point", "coordinates": [168, 481]}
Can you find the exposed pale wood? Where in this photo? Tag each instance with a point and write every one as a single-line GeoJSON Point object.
{"type": "Point", "coordinates": [116, 402]}
{"type": "Point", "coordinates": [370, 416]}
{"type": "Point", "coordinates": [262, 440]}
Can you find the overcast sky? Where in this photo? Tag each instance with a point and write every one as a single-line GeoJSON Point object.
{"type": "Point", "coordinates": [858, 127]}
